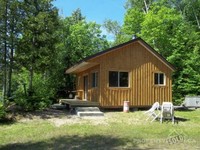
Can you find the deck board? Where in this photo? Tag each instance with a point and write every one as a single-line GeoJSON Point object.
{"type": "Point", "coordinates": [79, 103]}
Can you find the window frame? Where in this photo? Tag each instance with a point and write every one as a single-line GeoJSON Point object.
{"type": "Point", "coordinates": [158, 83]}
{"type": "Point", "coordinates": [95, 80]}
{"type": "Point", "coordinates": [119, 79]}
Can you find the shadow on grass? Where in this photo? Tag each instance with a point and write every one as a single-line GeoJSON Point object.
{"type": "Point", "coordinates": [184, 109]}
{"type": "Point", "coordinates": [7, 121]}
{"type": "Point", "coordinates": [97, 142]}
{"type": "Point", "coordinates": [180, 119]}
{"type": "Point", "coordinates": [176, 120]}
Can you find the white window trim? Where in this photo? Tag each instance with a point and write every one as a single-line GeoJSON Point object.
{"type": "Point", "coordinates": [164, 79]}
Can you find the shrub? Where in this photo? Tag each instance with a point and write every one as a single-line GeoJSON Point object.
{"type": "Point", "coordinates": [2, 111]}
{"type": "Point", "coordinates": [38, 98]}
{"type": "Point", "coordinates": [33, 102]}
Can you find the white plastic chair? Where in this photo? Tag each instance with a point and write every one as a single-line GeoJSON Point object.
{"type": "Point", "coordinates": [167, 112]}
{"type": "Point", "coordinates": [152, 112]}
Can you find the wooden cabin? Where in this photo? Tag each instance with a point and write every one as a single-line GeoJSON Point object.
{"type": "Point", "coordinates": [132, 72]}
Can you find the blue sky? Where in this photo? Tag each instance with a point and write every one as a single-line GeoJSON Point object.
{"type": "Point", "coordinates": [93, 10]}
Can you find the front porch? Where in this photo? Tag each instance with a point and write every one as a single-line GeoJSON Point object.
{"type": "Point", "coordinates": [78, 103]}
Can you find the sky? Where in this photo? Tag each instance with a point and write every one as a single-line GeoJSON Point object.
{"type": "Point", "coordinates": [93, 10]}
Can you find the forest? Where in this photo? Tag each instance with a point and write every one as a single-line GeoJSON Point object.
{"type": "Point", "coordinates": [37, 45]}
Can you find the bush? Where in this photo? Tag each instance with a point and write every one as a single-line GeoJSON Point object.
{"type": "Point", "coordinates": [2, 111]}
{"type": "Point", "coordinates": [38, 98]}
{"type": "Point", "coordinates": [29, 103]}
{"type": "Point", "coordinates": [41, 95]}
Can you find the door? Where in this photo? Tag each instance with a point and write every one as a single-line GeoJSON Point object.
{"type": "Point", "coordinates": [85, 87]}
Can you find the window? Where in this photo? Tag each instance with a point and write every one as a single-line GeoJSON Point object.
{"type": "Point", "coordinates": [95, 79]}
{"type": "Point", "coordinates": [118, 79]}
{"type": "Point", "coordinates": [159, 79]}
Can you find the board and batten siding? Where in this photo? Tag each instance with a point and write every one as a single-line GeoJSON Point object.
{"type": "Point", "coordinates": [93, 92]}
{"type": "Point", "coordinates": [141, 65]}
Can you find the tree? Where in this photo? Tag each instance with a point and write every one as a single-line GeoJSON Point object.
{"type": "Point", "coordinates": [173, 34]}
{"type": "Point", "coordinates": [9, 16]}
{"type": "Point", "coordinates": [185, 57]}
{"type": "Point", "coordinates": [164, 23]}
{"type": "Point", "coordinates": [79, 40]}
{"type": "Point", "coordinates": [114, 28]}
{"type": "Point", "coordinates": [14, 19]}
{"type": "Point", "coordinates": [189, 10]}
{"type": "Point", "coordinates": [133, 22]}
{"type": "Point", "coordinates": [4, 41]}
{"type": "Point", "coordinates": [36, 48]}
{"type": "Point", "coordinates": [142, 5]}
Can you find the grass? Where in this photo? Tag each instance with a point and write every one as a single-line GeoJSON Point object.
{"type": "Point", "coordinates": [117, 130]}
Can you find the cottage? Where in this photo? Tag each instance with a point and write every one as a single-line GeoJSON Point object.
{"type": "Point", "coordinates": [132, 71]}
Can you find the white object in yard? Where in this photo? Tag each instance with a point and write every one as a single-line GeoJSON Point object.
{"type": "Point", "coordinates": [70, 95]}
{"type": "Point", "coordinates": [192, 101]}
{"type": "Point", "coordinates": [152, 112]}
{"type": "Point", "coordinates": [167, 112]}
{"type": "Point", "coordinates": [126, 106]}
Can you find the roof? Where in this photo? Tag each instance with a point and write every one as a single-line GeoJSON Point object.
{"type": "Point", "coordinates": [84, 64]}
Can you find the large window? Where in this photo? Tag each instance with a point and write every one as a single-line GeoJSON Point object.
{"type": "Point", "coordinates": [95, 79]}
{"type": "Point", "coordinates": [118, 79]}
{"type": "Point", "coordinates": [159, 79]}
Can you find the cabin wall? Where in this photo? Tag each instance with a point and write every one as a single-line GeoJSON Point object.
{"type": "Point", "coordinates": [141, 65]}
{"type": "Point", "coordinates": [93, 92]}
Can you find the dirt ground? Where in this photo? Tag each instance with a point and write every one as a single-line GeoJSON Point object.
{"type": "Point", "coordinates": [57, 117]}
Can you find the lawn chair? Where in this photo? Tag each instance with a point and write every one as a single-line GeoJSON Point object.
{"type": "Point", "coordinates": [152, 112]}
{"type": "Point", "coordinates": [167, 112]}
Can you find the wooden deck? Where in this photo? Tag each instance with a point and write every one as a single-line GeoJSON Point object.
{"type": "Point", "coordinates": [79, 103]}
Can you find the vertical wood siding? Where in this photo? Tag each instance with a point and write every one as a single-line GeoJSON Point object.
{"type": "Point", "coordinates": [141, 65]}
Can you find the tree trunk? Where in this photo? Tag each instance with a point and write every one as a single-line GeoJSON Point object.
{"type": "Point", "coordinates": [5, 52]}
{"type": "Point", "coordinates": [10, 68]}
{"type": "Point", "coordinates": [146, 7]}
{"type": "Point", "coordinates": [197, 20]}
{"type": "Point", "coordinates": [12, 38]}
{"type": "Point", "coordinates": [30, 82]}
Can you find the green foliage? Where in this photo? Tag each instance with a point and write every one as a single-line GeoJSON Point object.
{"type": "Point", "coordinates": [143, 5]}
{"type": "Point", "coordinates": [36, 49]}
{"type": "Point", "coordinates": [29, 103]}
{"type": "Point", "coordinates": [78, 39]}
{"type": "Point", "coordinates": [2, 111]}
{"type": "Point", "coordinates": [170, 27]}
{"type": "Point", "coordinates": [46, 45]}
{"type": "Point", "coordinates": [39, 98]}
{"type": "Point", "coordinates": [132, 21]}
{"type": "Point", "coordinates": [164, 23]}
{"type": "Point", "coordinates": [112, 26]}
{"type": "Point", "coordinates": [190, 11]}
{"type": "Point", "coordinates": [81, 38]}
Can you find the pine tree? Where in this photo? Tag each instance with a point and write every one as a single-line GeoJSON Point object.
{"type": "Point", "coordinates": [36, 48]}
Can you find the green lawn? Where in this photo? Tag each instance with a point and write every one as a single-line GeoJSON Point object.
{"type": "Point", "coordinates": [117, 130]}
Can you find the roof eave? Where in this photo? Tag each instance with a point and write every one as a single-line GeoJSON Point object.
{"type": "Point", "coordinates": [85, 64]}
{"type": "Point", "coordinates": [80, 67]}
